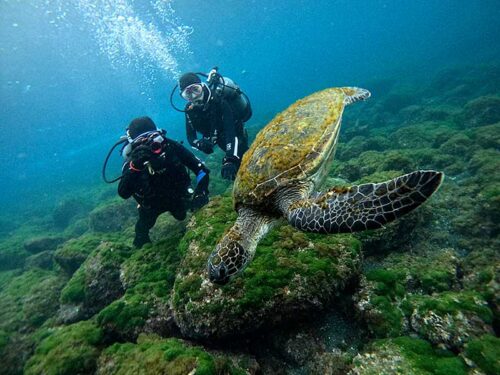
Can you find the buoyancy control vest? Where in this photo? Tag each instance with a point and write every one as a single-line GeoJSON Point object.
{"type": "Point", "coordinates": [226, 88]}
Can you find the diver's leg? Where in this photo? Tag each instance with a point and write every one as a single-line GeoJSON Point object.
{"type": "Point", "coordinates": [178, 208]}
{"type": "Point", "coordinates": [147, 219]}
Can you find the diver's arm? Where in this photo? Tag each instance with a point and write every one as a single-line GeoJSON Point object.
{"type": "Point", "coordinates": [125, 187]}
{"type": "Point", "coordinates": [191, 132]}
{"type": "Point", "coordinates": [187, 157]}
{"type": "Point", "coordinates": [230, 139]}
{"type": "Point", "coordinates": [133, 181]}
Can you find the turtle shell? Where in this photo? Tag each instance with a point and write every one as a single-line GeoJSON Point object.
{"type": "Point", "coordinates": [292, 147]}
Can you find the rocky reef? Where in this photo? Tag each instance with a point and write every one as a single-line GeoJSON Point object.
{"type": "Point", "coordinates": [292, 274]}
{"type": "Point", "coordinates": [420, 296]}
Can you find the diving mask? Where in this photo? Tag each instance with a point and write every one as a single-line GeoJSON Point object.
{"type": "Point", "coordinates": [193, 92]}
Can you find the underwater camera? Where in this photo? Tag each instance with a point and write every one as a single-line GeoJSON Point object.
{"type": "Point", "coordinates": [154, 139]}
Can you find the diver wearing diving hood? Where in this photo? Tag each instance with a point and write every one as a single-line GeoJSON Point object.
{"type": "Point", "coordinates": [155, 174]}
{"type": "Point", "coordinates": [218, 110]}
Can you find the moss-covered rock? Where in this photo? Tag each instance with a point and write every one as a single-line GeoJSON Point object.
{"type": "Point", "coordinates": [148, 276]}
{"type": "Point", "coordinates": [67, 209]}
{"type": "Point", "coordinates": [74, 251]}
{"type": "Point", "coordinates": [67, 350]}
{"type": "Point", "coordinates": [152, 355]}
{"type": "Point", "coordinates": [113, 217]}
{"type": "Point", "coordinates": [481, 274]}
{"type": "Point", "coordinates": [15, 350]}
{"type": "Point", "coordinates": [450, 318]}
{"type": "Point", "coordinates": [29, 299]}
{"type": "Point", "coordinates": [12, 248]}
{"type": "Point", "coordinates": [383, 291]}
{"type": "Point", "coordinates": [96, 283]}
{"type": "Point", "coordinates": [487, 136]}
{"type": "Point", "coordinates": [292, 273]}
{"type": "Point", "coordinates": [484, 353]}
{"type": "Point", "coordinates": [44, 260]}
{"type": "Point", "coordinates": [166, 227]}
{"type": "Point", "coordinates": [484, 110]}
{"type": "Point", "coordinates": [405, 355]}
{"type": "Point", "coordinates": [413, 295]}
{"type": "Point", "coordinates": [39, 244]}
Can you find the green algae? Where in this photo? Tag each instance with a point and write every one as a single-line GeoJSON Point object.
{"type": "Point", "coordinates": [74, 290]}
{"type": "Point", "coordinates": [73, 252]}
{"type": "Point", "coordinates": [406, 355]}
{"type": "Point", "coordinates": [418, 291]}
{"type": "Point", "coordinates": [67, 350]}
{"type": "Point", "coordinates": [152, 355]}
{"type": "Point", "coordinates": [304, 267]}
{"type": "Point", "coordinates": [484, 110]}
{"type": "Point", "coordinates": [454, 303]}
{"type": "Point", "coordinates": [485, 353]}
{"type": "Point", "coordinates": [97, 282]}
{"type": "Point", "coordinates": [148, 276]}
{"type": "Point", "coordinates": [29, 299]}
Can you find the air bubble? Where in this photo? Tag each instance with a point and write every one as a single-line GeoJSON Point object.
{"type": "Point", "coordinates": [127, 40]}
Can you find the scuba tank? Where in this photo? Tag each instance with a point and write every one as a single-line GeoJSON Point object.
{"type": "Point", "coordinates": [240, 103]}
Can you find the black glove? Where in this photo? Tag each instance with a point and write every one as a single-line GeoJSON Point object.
{"type": "Point", "coordinates": [204, 145]}
{"type": "Point", "coordinates": [199, 200]}
{"type": "Point", "coordinates": [230, 165]}
{"type": "Point", "coordinates": [140, 155]}
{"type": "Point", "coordinates": [200, 195]}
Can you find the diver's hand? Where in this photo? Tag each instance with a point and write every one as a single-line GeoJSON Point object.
{"type": "Point", "coordinates": [199, 200]}
{"type": "Point", "coordinates": [230, 165]}
{"type": "Point", "coordinates": [200, 195]}
{"type": "Point", "coordinates": [140, 155]}
{"type": "Point", "coordinates": [204, 145]}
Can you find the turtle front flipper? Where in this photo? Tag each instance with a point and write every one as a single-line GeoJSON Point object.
{"type": "Point", "coordinates": [367, 206]}
{"type": "Point", "coordinates": [237, 247]}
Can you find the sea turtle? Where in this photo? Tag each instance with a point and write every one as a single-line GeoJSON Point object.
{"type": "Point", "coordinates": [289, 158]}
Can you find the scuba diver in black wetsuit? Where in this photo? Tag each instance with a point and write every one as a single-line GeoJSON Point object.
{"type": "Point", "coordinates": [218, 110]}
{"type": "Point", "coordinates": [155, 174]}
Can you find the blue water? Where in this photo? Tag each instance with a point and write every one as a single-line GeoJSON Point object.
{"type": "Point", "coordinates": [74, 74]}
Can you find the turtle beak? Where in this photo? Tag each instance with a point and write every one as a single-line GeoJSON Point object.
{"type": "Point", "coordinates": [218, 274]}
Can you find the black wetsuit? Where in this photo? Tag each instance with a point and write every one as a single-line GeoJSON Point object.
{"type": "Point", "coordinates": [165, 190]}
{"type": "Point", "coordinates": [220, 123]}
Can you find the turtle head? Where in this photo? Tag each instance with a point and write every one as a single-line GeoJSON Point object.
{"type": "Point", "coordinates": [227, 260]}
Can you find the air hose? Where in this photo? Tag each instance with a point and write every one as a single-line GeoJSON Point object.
{"type": "Point", "coordinates": [122, 140]}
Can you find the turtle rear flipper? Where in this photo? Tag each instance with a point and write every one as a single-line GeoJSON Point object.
{"type": "Point", "coordinates": [367, 206]}
{"type": "Point", "coordinates": [355, 94]}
